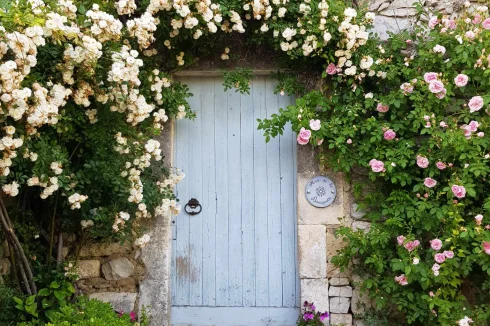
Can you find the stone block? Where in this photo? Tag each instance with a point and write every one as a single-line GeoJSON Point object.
{"type": "Point", "coordinates": [123, 301]}
{"type": "Point", "coordinates": [310, 215]}
{"type": "Point", "coordinates": [340, 291]}
{"type": "Point", "coordinates": [104, 249]}
{"type": "Point", "coordinates": [383, 25]}
{"type": "Point", "coordinates": [356, 213]}
{"type": "Point", "coordinates": [5, 266]}
{"type": "Point", "coordinates": [361, 225]}
{"type": "Point", "coordinates": [341, 319]}
{"type": "Point", "coordinates": [312, 252]}
{"type": "Point", "coordinates": [339, 305]}
{"type": "Point", "coordinates": [89, 268]}
{"type": "Point", "coordinates": [360, 302]}
{"type": "Point", "coordinates": [336, 281]}
{"type": "Point", "coordinates": [316, 291]}
{"type": "Point", "coordinates": [118, 269]}
{"type": "Point", "coordinates": [334, 244]}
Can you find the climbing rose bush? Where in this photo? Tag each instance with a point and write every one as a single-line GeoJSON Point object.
{"type": "Point", "coordinates": [416, 143]}
{"type": "Point", "coordinates": [86, 89]}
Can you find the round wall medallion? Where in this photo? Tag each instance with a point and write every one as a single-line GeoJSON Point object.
{"type": "Point", "coordinates": [320, 191]}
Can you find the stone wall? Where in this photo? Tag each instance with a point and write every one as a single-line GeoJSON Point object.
{"type": "Point", "coordinates": [111, 272]}
{"type": "Point", "coordinates": [398, 15]}
{"type": "Point", "coordinates": [321, 282]}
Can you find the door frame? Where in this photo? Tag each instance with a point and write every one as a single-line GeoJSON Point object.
{"type": "Point", "coordinates": [155, 289]}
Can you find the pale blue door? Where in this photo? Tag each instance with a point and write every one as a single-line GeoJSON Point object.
{"type": "Point", "coordinates": [235, 263]}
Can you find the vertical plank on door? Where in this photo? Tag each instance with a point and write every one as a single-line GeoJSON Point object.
{"type": "Point", "coordinates": [288, 213]}
{"type": "Point", "coordinates": [208, 203]}
{"type": "Point", "coordinates": [182, 263]}
{"type": "Point", "coordinates": [222, 222]}
{"type": "Point", "coordinates": [195, 150]}
{"type": "Point", "coordinates": [261, 198]}
{"type": "Point", "coordinates": [274, 204]}
{"type": "Point", "coordinates": [234, 201]}
{"type": "Point", "coordinates": [248, 197]}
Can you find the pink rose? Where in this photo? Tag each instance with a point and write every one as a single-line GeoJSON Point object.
{"type": "Point", "coordinates": [461, 80]}
{"type": "Point", "coordinates": [439, 49]}
{"type": "Point", "coordinates": [441, 94]}
{"type": "Point", "coordinates": [422, 162]}
{"type": "Point", "coordinates": [470, 35]}
{"type": "Point", "coordinates": [476, 19]}
{"type": "Point", "coordinates": [389, 134]}
{"type": "Point", "coordinates": [450, 23]}
{"type": "Point", "coordinates": [315, 125]}
{"type": "Point", "coordinates": [448, 254]}
{"type": "Point", "coordinates": [473, 126]}
{"type": "Point", "coordinates": [486, 23]}
{"type": "Point", "coordinates": [320, 141]}
{"type": "Point", "coordinates": [458, 191]}
{"type": "Point", "coordinates": [436, 86]}
{"type": "Point", "coordinates": [349, 141]}
{"type": "Point", "coordinates": [304, 136]}
{"type": "Point", "coordinates": [402, 279]}
{"type": "Point", "coordinates": [486, 247]}
{"type": "Point", "coordinates": [431, 294]}
{"type": "Point", "coordinates": [382, 108]}
{"type": "Point", "coordinates": [429, 182]}
{"type": "Point", "coordinates": [467, 131]}
{"type": "Point", "coordinates": [407, 88]}
{"type": "Point", "coordinates": [480, 134]}
{"type": "Point", "coordinates": [441, 165]}
{"type": "Point", "coordinates": [433, 21]}
{"type": "Point", "coordinates": [443, 124]}
{"type": "Point", "coordinates": [331, 69]}
{"type": "Point", "coordinates": [411, 245]}
{"type": "Point", "coordinates": [478, 219]}
{"type": "Point", "coordinates": [439, 258]}
{"type": "Point", "coordinates": [476, 103]}
{"type": "Point", "coordinates": [435, 269]}
{"type": "Point", "coordinates": [377, 166]}
{"type": "Point", "coordinates": [400, 239]}
{"type": "Point", "coordinates": [436, 244]}
{"type": "Point", "coordinates": [430, 76]}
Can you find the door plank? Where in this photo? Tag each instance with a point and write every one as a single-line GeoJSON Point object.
{"type": "Point", "coordinates": [196, 149]}
{"type": "Point", "coordinates": [234, 316]}
{"type": "Point", "coordinates": [261, 199]}
{"type": "Point", "coordinates": [248, 197]}
{"type": "Point", "coordinates": [182, 263]}
{"type": "Point", "coordinates": [234, 201]}
{"type": "Point", "coordinates": [209, 198]}
{"type": "Point", "coordinates": [222, 224]}
{"type": "Point", "coordinates": [288, 214]}
{"type": "Point", "coordinates": [274, 204]}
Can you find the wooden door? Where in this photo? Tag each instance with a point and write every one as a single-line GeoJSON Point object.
{"type": "Point", "coordinates": [235, 263]}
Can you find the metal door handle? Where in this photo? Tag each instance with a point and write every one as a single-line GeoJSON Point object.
{"type": "Point", "coordinates": [192, 205]}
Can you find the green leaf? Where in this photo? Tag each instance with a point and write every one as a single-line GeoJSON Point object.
{"type": "Point", "coordinates": [60, 295]}
{"type": "Point", "coordinates": [30, 300]}
{"type": "Point", "coordinates": [18, 300]}
{"type": "Point", "coordinates": [43, 292]}
{"type": "Point", "coordinates": [55, 285]}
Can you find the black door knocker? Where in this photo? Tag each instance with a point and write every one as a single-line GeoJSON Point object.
{"type": "Point", "coordinates": [192, 205]}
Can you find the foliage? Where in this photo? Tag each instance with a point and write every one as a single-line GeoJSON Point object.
{"type": "Point", "coordinates": [86, 312]}
{"type": "Point", "coordinates": [9, 314]}
{"type": "Point", "coordinates": [49, 300]}
{"type": "Point", "coordinates": [238, 79]}
{"type": "Point", "coordinates": [310, 316]}
{"type": "Point", "coordinates": [85, 91]}
{"type": "Point", "coordinates": [415, 114]}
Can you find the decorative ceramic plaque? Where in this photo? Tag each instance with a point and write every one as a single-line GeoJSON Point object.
{"type": "Point", "coordinates": [320, 191]}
